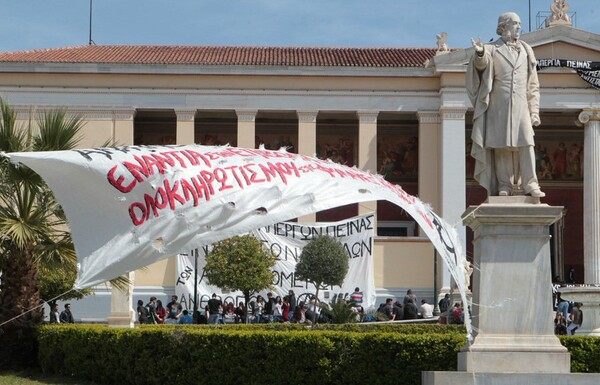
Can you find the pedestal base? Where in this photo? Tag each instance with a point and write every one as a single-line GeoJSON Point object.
{"type": "Point", "coordinates": [514, 362]}
{"type": "Point", "coordinates": [120, 320]}
{"type": "Point", "coordinates": [465, 378]}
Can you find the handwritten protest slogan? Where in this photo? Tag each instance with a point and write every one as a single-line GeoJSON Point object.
{"type": "Point", "coordinates": [131, 206]}
{"type": "Point", "coordinates": [286, 240]}
{"type": "Point", "coordinates": [209, 178]}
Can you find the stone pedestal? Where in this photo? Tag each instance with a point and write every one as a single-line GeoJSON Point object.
{"type": "Point", "coordinates": [121, 309]}
{"type": "Point", "coordinates": [512, 301]}
{"type": "Point", "coordinates": [589, 296]}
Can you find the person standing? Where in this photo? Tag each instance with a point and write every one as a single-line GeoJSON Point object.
{"type": "Point", "coordinates": [174, 309]}
{"type": "Point", "coordinates": [269, 307]}
{"type": "Point", "coordinates": [503, 86]}
{"type": "Point", "coordinates": [293, 304]}
{"type": "Point", "coordinates": [54, 314]}
{"type": "Point", "coordinates": [66, 317]}
{"type": "Point", "coordinates": [214, 307]}
{"type": "Point", "coordinates": [142, 312]}
{"type": "Point", "coordinates": [444, 303]}
{"type": "Point", "coordinates": [410, 295]}
{"type": "Point", "coordinates": [152, 316]}
{"type": "Point", "coordinates": [571, 278]}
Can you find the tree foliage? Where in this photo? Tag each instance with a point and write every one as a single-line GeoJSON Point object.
{"type": "Point", "coordinates": [34, 236]}
{"type": "Point", "coordinates": [240, 263]}
{"type": "Point", "coordinates": [323, 262]}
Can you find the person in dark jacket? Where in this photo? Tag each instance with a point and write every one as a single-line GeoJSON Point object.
{"type": "Point", "coordinates": [410, 310]}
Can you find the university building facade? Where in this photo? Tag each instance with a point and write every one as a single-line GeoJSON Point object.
{"type": "Point", "coordinates": [400, 112]}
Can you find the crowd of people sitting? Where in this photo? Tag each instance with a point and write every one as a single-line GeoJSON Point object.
{"type": "Point", "coordinates": [273, 309]}
{"type": "Point", "coordinates": [289, 309]}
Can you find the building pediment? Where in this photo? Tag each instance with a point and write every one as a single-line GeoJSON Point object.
{"type": "Point", "coordinates": [558, 42]}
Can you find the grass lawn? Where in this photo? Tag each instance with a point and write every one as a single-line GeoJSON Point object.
{"type": "Point", "coordinates": [36, 378]}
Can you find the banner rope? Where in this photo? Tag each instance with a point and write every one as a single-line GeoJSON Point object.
{"type": "Point", "coordinates": [36, 307]}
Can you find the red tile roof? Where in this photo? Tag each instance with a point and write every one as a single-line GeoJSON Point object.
{"type": "Point", "coordinates": [233, 56]}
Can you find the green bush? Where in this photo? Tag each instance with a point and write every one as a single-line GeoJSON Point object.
{"type": "Point", "coordinates": [585, 353]}
{"type": "Point", "coordinates": [166, 354]}
{"type": "Point", "coordinates": [269, 353]}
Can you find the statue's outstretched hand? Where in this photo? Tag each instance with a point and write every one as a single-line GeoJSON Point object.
{"type": "Point", "coordinates": [478, 45]}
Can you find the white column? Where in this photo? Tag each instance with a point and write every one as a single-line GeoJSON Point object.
{"type": "Point", "coordinates": [246, 130]}
{"type": "Point", "coordinates": [185, 126]}
{"type": "Point", "coordinates": [307, 132]}
{"type": "Point", "coordinates": [122, 127]}
{"type": "Point", "coordinates": [591, 194]}
{"type": "Point", "coordinates": [429, 179]}
{"type": "Point", "coordinates": [452, 169]}
{"type": "Point", "coordinates": [367, 151]}
{"type": "Point", "coordinates": [307, 144]}
{"type": "Point", "coordinates": [429, 158]}
{"type": "Point", "coordinates": [122, 314]}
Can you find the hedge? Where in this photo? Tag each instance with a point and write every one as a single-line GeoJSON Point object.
{"type": "Point", "coordinates": [200, 355]}
{"type": "Point", "coordinates": [260, 354]}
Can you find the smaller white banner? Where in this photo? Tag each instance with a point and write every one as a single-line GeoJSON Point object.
{"type": "Point", "coordinates": [286, 240]}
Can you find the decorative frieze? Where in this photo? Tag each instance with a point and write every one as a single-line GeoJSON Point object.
{"type": "Point", "coordinates": [246, 115]}
{"type": "Point", "coordinates": [453, 113]}
{"type": "Point", "coordinates": [367, 116]}
{"type": "Point", "coordinates": [429, 117]}
{"type": "Point", "coordinates": [87, 114]}
{"type": "Point", "coordinates": [307, 116]}
{"type": "Point", "coordinates": [185, 115]}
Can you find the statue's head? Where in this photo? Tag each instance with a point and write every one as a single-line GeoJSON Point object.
{"type": "Point", "coordinates": [509, 25]}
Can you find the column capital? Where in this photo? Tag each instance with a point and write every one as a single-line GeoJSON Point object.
{"type": "Point", "coordinates": [246, 115]}
{"type": "Point", "coordinates": [123, 114]}
{"type": "Point", "coordinates": [367, 116]}
{"type": "Point", "coordinates": [589, 114]}
{"type": "Point", "coordinates": [183, 115]}
{"type": "Point", "coordinates": [307, 116]}
{"type": "Point", "coordinates": [453, 113]}
{"type": "Point", "coordinates": [429, 117]}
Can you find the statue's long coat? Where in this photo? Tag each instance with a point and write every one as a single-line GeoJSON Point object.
{"type": "Point", "coordinates": [504, 91]}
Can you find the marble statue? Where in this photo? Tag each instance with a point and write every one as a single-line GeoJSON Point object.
{"type": "Point", "coordinates": [441, 39]}
{"type": "Point", "coordinates": [559, 10]}
{"type": "Point", "coordinates": [502, 84]}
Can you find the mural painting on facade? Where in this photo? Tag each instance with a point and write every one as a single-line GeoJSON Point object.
{"type": "Point", "coordinates": [398, 157]}
{"type": "Point", "coordinates": [154, 138]}
{"type": "Point", "coordinates": [559, 160]}
{"type": "Point", "coordinates": [340, 149]}
{"type": "Point", "coordinates": [218, 139]}
{"type": "Point", "coordinates": [275, 142]}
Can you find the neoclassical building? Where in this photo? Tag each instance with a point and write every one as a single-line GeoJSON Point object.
{"type": "Point", "coordinates": [401, 112]}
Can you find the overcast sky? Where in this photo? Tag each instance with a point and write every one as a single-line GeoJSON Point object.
{"type": "Point", "coordinates": [33, 24]}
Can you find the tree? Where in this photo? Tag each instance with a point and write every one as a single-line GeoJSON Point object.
{"type": "Point", "coordinates": [34, 235]}
{"type": "Point", "coordinates": [240, 263]}
{"type": "Point", "coordinates": [323, 262]}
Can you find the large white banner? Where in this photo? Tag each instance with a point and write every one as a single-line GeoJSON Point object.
{"type": "Point", "coordinates": [286, 240]}
{"type": "Point", "coordinates": [131, 206]}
